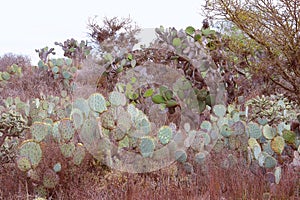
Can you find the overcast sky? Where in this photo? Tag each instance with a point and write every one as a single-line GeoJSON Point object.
{"type": "Point", "coordinates": [27, 25]}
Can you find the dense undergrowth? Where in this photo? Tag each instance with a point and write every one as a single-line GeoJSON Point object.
{"type": "Point", "coordinates": [169, 121]}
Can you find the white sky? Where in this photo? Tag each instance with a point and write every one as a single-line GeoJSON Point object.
{"type": "Point", "coordinates": [27, 25]}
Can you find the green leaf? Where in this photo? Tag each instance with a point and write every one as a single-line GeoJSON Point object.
{"type": "Point", "coordinates": [207, 32]}
{"type": "Point", "coordinates": [168, 95]}
{"type": "Point", "coordinates": [176, 42]}
{"type": "Point", "coordinates": [133, 63]}
{"type": "Point", "coordinates": [162, 90]}
{"type": "Point", "coordinates": [190, 30]}
{"type": "Point", "coordinates": [133, 96]}
{"type": "Point", "coordinates": [197, 37]}
{"type": "Point", "coordinates": [171, 103]}
{"type": "Point", "coordinates": [158, 99]}
{"type": "Point", "coordinates": [5, 76]}
{"type": "Point", "coordinates": [148, 93]}
{"type": "Point", "coordinates": [130, 56]}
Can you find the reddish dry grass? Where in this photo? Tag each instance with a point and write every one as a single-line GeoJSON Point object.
{"type": "Point", "coordinates": [209, 181]}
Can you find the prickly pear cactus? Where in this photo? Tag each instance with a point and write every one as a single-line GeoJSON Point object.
{"type": "Point", "coordinates": [31, 150]}
{"type": "Point", "coordinates": [165, 134]}
{"type": "Point", "coordinates": [40, 130]}
{"type": "Point", "coordinates": [97, 103]}
{"type": "Point", "coordinates": [147, 146]}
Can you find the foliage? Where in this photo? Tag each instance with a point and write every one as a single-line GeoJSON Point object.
{"type": "Point", "coordinates": [9, 59]}
{"type": "Point", "coordinates": [268, 44]}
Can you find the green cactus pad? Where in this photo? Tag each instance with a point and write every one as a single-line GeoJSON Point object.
{"type": "Point", "coordinates": [200, 157]}
{"type": "Point", "coordinates": [40, 130]}
{"type": "Point", "coordinates": [268, 132]}
{"type": "Point", "coordinates": [219, 110]}
{"type": "Point", "coordinates": [270, 162]}
{"type": "Point", "coordinates": [188, 167]}
{"type": "Point", "coordinates": [206, 125]}
{"type": "Point", "coordinates": [79, 154]}
{"type": "Point", "coordinates": [222, 121]}
{"type": "Point", "coordinates": [55, 131]}
{"type": "Point", "coordinates": [289, 136]}
{"type": "Point", "coordinates": [267, 148]}
{"type": "Point", "coordinates": [226, 131]}
{"type": "Point", "coordinates": [124, 143]}
{"type": "Point", "coordinates": [181, 155]}
{"type": "Point", "coordinates": [90, 133]}
{"type": "Point", "coordinates": [238, 128]}
{"type": "Point", "coordinates": [253, 130]}
{"type": "Point", "coordinates": [32, 151]}
{"type": "Point", "coordinates": [187, 127]}
{"type": "Point", "coordinates": [77, 117]}
{"type": "Point", "coordinates": [107, 120]}
{"type": "Point", "coordinates": [118, 134]}
{"type": "Point", "coordinates": [147, 146]}
{"type": "Point", "coordinates": [67, 149]}
{"type": "Point", "coordinates": [165, 134]}
{"type": "Point", "coordinates": [256, 151]}
{"type": "Point", "coordinates": [50, 179]}
{"type": "Point", "coordinates": [277, 174]}
{"type": "Point", "coordinates": [23, 163]}
{"type": "Point", "coordinates": [117, 99]}
{"type": "Point", "coordinates": [57, 167]}
{"type": "Point", "coordinates": [252, 142]}
{"type": "Point", "coordinates": [97, 103]}
{"type": "Point", "coordinates": [82, 105]}
{"type": "Point", "coordinates": [66, 129]}
{"type": "Point", "coordinates": [124, 123]}
{"type": "Point", "coordinates": [277, 144]}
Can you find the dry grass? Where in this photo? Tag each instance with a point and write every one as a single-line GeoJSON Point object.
{"type": "Point", "coordinates": [209, 181]}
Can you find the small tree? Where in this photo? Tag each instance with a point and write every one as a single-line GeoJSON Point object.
{"type": "Point", "coordinates": [270, 47]}
{"type": "Point", "coordinates": [9, 59]}
{"type": "Point", "coordinates": [114, 33]}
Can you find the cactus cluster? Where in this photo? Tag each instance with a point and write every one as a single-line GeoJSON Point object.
{"type": "Point", "coordinates": [274, 108]}
{"type": "Point", "coordinates": [75, 50]}
{"type": "Point", "coordinates": [13, 70]}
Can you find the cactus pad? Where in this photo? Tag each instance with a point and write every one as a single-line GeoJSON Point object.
{"type": "Point", "coordinates": [206, 125]}
{"type": "Point", "coordinates": [57, 167]}
{"type": "Point", "coordinates": [180, 155]}
{"type": "Point", "coordinates": [77, 117]}
{"type": "Point", "coordinates": [67, 149]}
{"type": "Point", "coordinates": [40, 130]}
{"type": "Point", "coordinates": [82, 105]}
{"type": "Point", "coordinates": [268, 132]}
{"type": "Point", "coordinates": [117, 99]}
{"type": "Point", "coordinates": [165, 134]}
{"type": "Point", "coordinates": [254, 131]}
{"type": "Point", "coordinates": [200, 157]}
{"type": "Point", "coordinates": [277, 144]}
{"type": "Point", "coordinates": [289, 136]}
{"type": "Point", "coordinates": [147, 146]}
{"type": "Point", "coordinates": [97, 103]}
{"type": "Point", "coordinates": [226, 131]}
{"type": "Point", "coordinates": [32, 151]}
{"type": "Point", "coordinates": [50, 179]}
{"type": "Point", "coordinates": [79, 154]}
{"type": "Point", "coordinates": [66, 129]}
{"type": "Point", "coordinates": [219, 110]}
{"type": "Point", "coordinates": [23, 163]}
{"type": "Point", "coordinates": [270, 162]}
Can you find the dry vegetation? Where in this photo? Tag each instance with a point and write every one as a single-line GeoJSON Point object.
{"type": "Point", "coordinates": [92, 180]}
